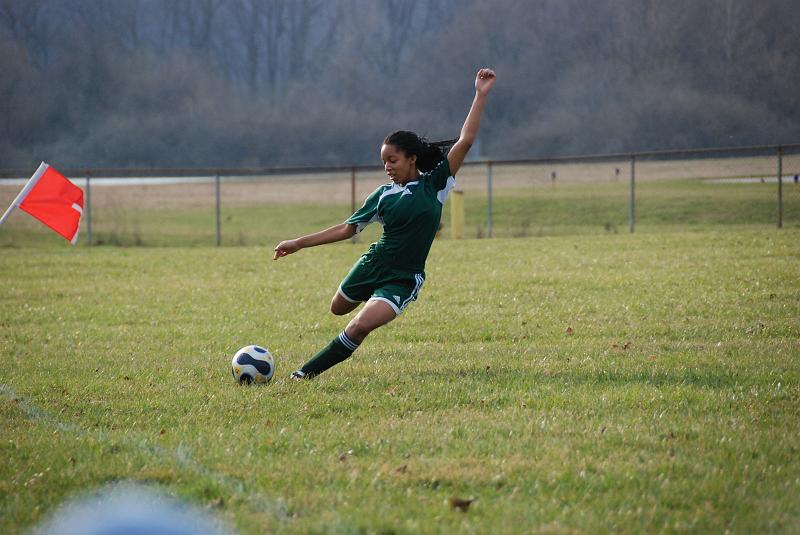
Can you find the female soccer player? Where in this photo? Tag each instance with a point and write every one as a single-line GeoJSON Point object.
{"type": "Point", "coordinates": [390, 274]}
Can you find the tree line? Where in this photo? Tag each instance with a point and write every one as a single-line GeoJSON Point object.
{"type": "Point", "coordinates": [194, 83]}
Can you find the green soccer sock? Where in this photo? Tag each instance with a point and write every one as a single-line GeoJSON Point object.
{"type": "Point", "coordinates": [339, 349]}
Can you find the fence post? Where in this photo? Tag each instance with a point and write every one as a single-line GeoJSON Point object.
{"type": "Point", "coordinates": [632, 203]}
{"type": "Point", "coordinates": [780, 186]}
{"type": "Point", "coordinates": [489, 199]}
{"type": "Point", "coordinates": [352, 190]}
{"type": "Point", "coordinates": [354, 239]}
{"type": "Point", "coordinates": [89, 206]}
{"type": "Point", "coordinates": [457, 214]}
{"type": "Point", "coordinates": [217, 202]}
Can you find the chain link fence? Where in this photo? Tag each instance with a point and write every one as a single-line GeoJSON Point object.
{"type": "Point", "coordinates": [638, 192]}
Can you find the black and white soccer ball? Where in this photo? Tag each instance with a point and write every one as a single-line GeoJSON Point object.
{"type": "Point", "coordinates": [252, 364]}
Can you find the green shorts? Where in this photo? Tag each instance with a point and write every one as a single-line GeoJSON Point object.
{"type": "Point", "coordinates": [370, 279]}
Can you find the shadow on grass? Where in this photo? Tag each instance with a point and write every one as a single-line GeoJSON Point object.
{"type": "Point", "coordinates": [711, 379]}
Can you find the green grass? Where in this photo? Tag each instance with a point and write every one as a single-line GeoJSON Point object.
{"type": "Point", "coordinates": [672, 405]}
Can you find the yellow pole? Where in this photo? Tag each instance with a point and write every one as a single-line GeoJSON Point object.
{"type": "Point", "coordinates": [457, 214]}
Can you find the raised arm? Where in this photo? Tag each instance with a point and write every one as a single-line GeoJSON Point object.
{"type": "Point", "coordinates": [483, 83]}
{"type": "Point", "coordinates": [339, 232]}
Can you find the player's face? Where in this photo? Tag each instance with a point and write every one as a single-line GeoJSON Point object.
{"type": "Point", "coordinates": [400, 167]}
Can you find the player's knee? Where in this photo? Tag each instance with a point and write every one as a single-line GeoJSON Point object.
{"type": "Point", "coordinates": [337, 309]}
{"type": "Point", "coordinates": [340, 307]}
{"type": "Point", "coordinates": [358, 329]}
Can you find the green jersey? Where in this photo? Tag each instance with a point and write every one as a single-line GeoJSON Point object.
{"type": "Point", "coordinates": [410, 215]}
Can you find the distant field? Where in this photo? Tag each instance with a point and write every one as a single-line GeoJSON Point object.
{"type": "Point", "coordinates": [574, 383]}
{"type": "Point", "coordinates": [258, 212]}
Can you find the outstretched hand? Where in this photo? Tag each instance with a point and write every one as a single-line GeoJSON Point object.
{"type": "Point", "coordinates": [484, 81]}
{"type": "Point", "coordinates": [284, 248]}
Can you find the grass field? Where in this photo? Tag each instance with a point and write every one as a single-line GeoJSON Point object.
{"type": "Point", "coordinates": [585, 382]}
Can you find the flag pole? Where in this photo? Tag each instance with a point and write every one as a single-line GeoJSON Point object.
{"type": "Point", "coordinates": [25, 190]}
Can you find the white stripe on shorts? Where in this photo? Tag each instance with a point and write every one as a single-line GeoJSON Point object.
{"type": "Point", "coordinates": [414, 292]}
{"type": "Point", "coordinates": [396, 309]}
{"type": "Point", "coordinates": [345, 296]}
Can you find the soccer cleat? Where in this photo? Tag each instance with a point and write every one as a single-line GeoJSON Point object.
{"type": "Point", "coordinates": [298, 375]}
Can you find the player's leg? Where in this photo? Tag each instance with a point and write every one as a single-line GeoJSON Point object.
{"type": "Point", "coordinates": [374, 314]}
{"type": "Point", "coordinates": [391, 292]}
{"type": "Point", "coordinates": [356, 288]}
{"type": "Point", "coordinates": [340, 305]}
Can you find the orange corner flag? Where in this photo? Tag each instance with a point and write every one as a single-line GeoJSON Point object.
{"type": "Point", "coordinates": [52, 199]}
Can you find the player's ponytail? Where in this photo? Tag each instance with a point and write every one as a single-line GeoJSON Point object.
{"type": "Point", "coordinates": [433, 152]}
{"type": "Point", "coordinates": [428, 153]}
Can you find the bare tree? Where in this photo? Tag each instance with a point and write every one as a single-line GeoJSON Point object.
{"type": "Point", "coordinates": [122, 82]}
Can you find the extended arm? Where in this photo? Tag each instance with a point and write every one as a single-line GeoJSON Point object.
{"type": "Point", "coordinates": [335, 233]}
{"type": "Point", "coordinates": [483, 83]}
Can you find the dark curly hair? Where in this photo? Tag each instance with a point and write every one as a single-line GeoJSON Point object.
{"type": "Point", "coordinates": [428, 153]}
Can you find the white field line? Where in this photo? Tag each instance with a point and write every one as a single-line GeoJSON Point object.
{"type": "Point", "coordinates": [182, 456]}
{"type": "Point", "coordinates": [787, 179]}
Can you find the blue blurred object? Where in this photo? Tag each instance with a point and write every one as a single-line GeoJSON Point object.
{"type": "Point", "coordinates": [130, 510]}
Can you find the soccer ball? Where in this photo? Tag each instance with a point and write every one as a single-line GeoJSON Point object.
{"type": "Point", "coordinates": [252, 364]}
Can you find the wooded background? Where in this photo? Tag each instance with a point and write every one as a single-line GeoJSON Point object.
{"type": "Point", "coordinates": [194, 83]}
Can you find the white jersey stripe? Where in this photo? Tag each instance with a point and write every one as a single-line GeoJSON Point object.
{"type": "Point", "coordinates": [395, 189]}
{"type": "Point", "coordinates": [442, 194]}
{"type": "Point", "coordinates": [362, 226]}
